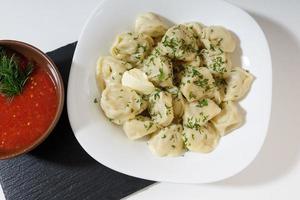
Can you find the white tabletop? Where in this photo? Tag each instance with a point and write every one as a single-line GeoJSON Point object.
{"type": "Point", "coordinates": [275, 174]}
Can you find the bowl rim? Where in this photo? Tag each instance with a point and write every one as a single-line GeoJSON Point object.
{"type": "Point", "coordinates": [60, 92]}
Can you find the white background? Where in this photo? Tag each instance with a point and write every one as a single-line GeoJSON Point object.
{"type": "Point", "coordinates": [275, 174]}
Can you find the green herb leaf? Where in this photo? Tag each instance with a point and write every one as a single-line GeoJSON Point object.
{"type": "Point", "coordinates": [12, 77]}
{"type": "Point", "coordinates": [161, 75]}
{"type": "Point", "coordinates": [202, 103]}
{"type": "Point", "coordinates": [95, 100]}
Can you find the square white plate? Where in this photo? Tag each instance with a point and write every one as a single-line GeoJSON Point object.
{"type": "Point", "coordinates": [107, 143]}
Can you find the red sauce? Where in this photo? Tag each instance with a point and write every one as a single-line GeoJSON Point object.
{"type": "Point", "coordinates": [27, 116]}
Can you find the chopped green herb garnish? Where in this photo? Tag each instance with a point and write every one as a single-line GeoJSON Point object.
{"type": "Point", "coordinates": [161, 75]}
{"type": "Point", "coordinates": [191, 95]}
{"type": "Point", "coordinates": [219, 41]}
{"type": "Point", "coordinates": [116, 51]}
{"type": "Point", "coordinates": [147, 127]}
{"type": "Point", "coordinates": [12, 77]}
{"type": "Point", "coordinates": [193, 123]}
{"type": "Point", "coordinates": [202, 103]}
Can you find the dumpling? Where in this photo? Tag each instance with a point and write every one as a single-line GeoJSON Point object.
{"type": "Point", "coordinates": [216, 61]}
{"type": "Point", "coordinates": [150, 24]}
{"type": "Point", "coordinates": [136, 79]}
{"type": "Point", "coordinates": [179, 43]}
{"type": "Point", "coordinates": [139, 127]}
{"type": "Point", "coordinates": [197, 113]}
{"type": "Point", "coordinates": [132, 47]}
{"type": "Point", "coordinates": [178, 102]}
{"type": "Point", "coordinates": [158, 68]}
{"type": "Point", "coordinates": [196, 27]}
{"type": "Point", "coordinates": [197, 62]}
{"type": "Point", "coordinates": [197, 83]}
{"type": "Point", "coordinates": [219, 93]}
{"type": "Point", "coordinates": [167, 142]}
{"type": "Point", "coordinates": [218, 36]}
{"type": "Point", "coordinates": [110, 70]}
{"type": "Point", "coordinates": [121, 103]}
{"type": "Point", "coordinates": [203, 140]}
{"type": "Point", "coordinates": [238, 84]}
{"type": "Point", "coordinates": [160, 107]}
{"type": "Point", "coordinates": [228, 119]}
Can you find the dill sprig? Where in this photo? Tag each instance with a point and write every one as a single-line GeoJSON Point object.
{"type": "Point", "coordinates": [12, 77]}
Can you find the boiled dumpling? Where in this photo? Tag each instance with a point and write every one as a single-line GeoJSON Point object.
{"type": "Point", "coordinates": [137, 80]}
{"type": "Point", "coordinates": [174, 86]}
{"type": "Point", "coordinates": [219, 37]}
{"type": "Point", "coordinates": [179, 43]}
{"type": "Point", "coordinates": [121, 103]}
{"type": "Point", "coordinates": [178, 102]}
{"type": "Point", "coordinates": [150, 24]}
{"type": "Point", "coordinates": [228, 119]}
{"type": "Point", "coordinates": [238, 84]}
{"type": "Point", "coordinates": [110, 70]}
{"type": "Point", "coordinates": [167, 142]}
{"type": "Point", "coordinates": [160, 107]}
{"type": "Point", "coordinates": [197, 83]}
{"type": "Point", "coordinates": [139, 127]}
{"type": "Point", "coordinates": [196, 27]}
{"type": "Point", "coordinates": [197, 113]}
{"type": "Point", "coordinates": [132, 47]}
{"type": "Point", "coordinates": [203, 140]}
{"type": "Point", "coordinates": [216, 61]}
{"type": "Point", "coordinates": [219, 93]}
{"type": "Point", "coordinates": [158, 68]}
{"type": "Point", "coordinates": [197, 62]}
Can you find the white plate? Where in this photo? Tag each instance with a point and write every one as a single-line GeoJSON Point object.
{"type": "Point", "coordinates": [108, 144]}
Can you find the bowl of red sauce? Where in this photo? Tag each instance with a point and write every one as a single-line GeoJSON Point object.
{"type": "Point", "coordinates": [31, 97]}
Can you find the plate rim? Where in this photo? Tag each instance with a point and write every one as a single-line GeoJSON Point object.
{"type": "Point", "coordinates": [268, 110]}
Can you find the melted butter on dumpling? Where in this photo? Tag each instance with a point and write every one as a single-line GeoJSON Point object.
{"type": "Point", "coordinates": [137, 80]}
{"type": "Point", "coordinates": [168, 141]}
{"type": "Point", "coordinates": [110, 70]}
{"type": "Point", "coordinates": [121, 103]}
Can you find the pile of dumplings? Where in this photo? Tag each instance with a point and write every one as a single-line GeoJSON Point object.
{"type": "Point", "coordinates": [174, 86]}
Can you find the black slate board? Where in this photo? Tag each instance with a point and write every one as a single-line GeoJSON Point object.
{"type": "Point", "coordinates": [59, 168]}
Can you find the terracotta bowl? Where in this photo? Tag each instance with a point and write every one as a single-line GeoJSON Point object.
{"type": "Point", "coordinates": [41, 59]}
